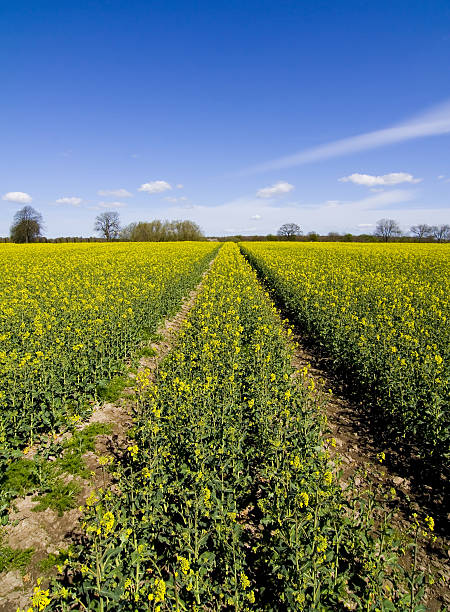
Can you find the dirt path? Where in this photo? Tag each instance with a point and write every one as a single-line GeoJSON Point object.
{"type": "Point", "coordinates": [46, 532]}
{"type": "Point", "coordinates": [359, 447]}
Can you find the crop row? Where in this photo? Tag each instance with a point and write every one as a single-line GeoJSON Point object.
{"type": "Point", "coordinates": [382, 312]}
{"type": "Point", "coordinates": [69, 314]}
{"type": "Point", "coordinates": [226, 497]}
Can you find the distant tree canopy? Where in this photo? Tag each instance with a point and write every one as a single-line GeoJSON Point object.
{"type": "Point", "coordinates": [334, 235]}
{"type": "Point", "coordinates": [441, 232]}
{"type": "Point", "coordinates": [107, 224]}
{"type": "Point", "coordinates": [290, 230]}
{"type": "Point", "coordinates": [387, 228]}
{"type": "Point", "coordinates": [161, 231]}
{"type": "Point", "coordinates": [422, 230]}
{"type": "Point", "coordinates": [313, 236]}
{"type": "Point", "coordinates": [27, 225]}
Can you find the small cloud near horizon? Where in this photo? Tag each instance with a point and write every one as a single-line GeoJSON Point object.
{"type": "Point", "coordinates": [18, 197]}
{"type": "Point", "coordinates": [155, 187]}
{"type": "Point", "coordinates": [115, 193]}
{"type": "Point", "coordinates": [112, 204]}
{"type": "Point", "coordinates": [370, 180]}
{"type": "Point", "coordinates": [277, 189]}
{"type": "Point", "coordinates": [174, 200]}
{"type": "Point", "coordinates": [73, 201]}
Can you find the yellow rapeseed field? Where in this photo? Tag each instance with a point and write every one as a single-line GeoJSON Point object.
{"type": "Point", "coordinates": [225, 495]}
{"type": "Point", "coordinates": [382, 311]}
{"type": "Point", "coordinates": [69, 313]}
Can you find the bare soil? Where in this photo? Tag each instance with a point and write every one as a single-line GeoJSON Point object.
{"type": "Point", "coordinates": [359, 443]}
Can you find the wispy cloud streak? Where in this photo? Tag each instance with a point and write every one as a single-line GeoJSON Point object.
{"type": "Point", "coordinates": [431, 123]}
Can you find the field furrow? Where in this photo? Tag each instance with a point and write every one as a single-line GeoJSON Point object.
{"type": "Point", "coordinates": [70, 315]}
{"type": "Point", "coordinates": [227, 497]}
{"type": "Point", "coordinates": [381, 312]}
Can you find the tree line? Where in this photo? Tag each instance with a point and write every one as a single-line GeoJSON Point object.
{"type": "Point", "coordinates": [28, 226]}
{"type": "Point", "coordinates": [386, 229]}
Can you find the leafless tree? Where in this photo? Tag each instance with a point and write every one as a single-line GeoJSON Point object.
{"type": "Point", "coordinates": [422, 230]}
{"type": "Point", "coordinates": [107, 224]}
{"type": "Point", "coordinates": [290, 230]}
{"type": "Point", "coordinates": [387, 228]}
{"type": "Point", "coordinates": [441, 232]}
{"type": "Point", "coordinates": [27, 225]}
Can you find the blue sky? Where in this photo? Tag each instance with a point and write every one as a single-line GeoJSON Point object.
{"type": "Point", "coordinates": [240, 116]}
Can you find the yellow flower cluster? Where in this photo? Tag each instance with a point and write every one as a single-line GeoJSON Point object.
{"type": "Point", "coordinates": [382, 311]}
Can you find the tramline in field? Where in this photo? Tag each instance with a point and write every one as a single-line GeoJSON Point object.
{"type": "Point", "coordinates": [227, 498]}
{"type": "Point", "coordinates": [225, 495]}
{"type": "Point", "coordinates": [382, 312]}
{"type": "Point", "coordinates": [69, 315]}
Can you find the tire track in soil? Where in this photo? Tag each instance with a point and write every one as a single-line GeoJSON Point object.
{"type": "Point", "coordinates": [418, 486]}
{"type": "Point", "coordinates": [46, 532]}
{"type": "Point", "coordinates": [357, 447]}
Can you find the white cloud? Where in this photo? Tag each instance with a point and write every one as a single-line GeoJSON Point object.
{"type": "Point", "coordinates": [19, 197]}
{"type": "Point", "coordinates": [441, 176]}
{"type": "Point", "coordinates": [369, 180]}
{"type": "Point", "coordinates": [433, 122]}
{"type": "Point", "coordinates": [173, 199]}
{"type": "Point", "coordinates": [274, 190]}
{"type": "Point", "coordinates": [365, 224]}
{"type": "Point", "coordinates": [111, 204]}
{"type": "Point", "coordinates": [403, 205]}
{"type": "Point", "coordinates": [155, 187]}
{"type": "Point", "coordinates": [180, 186]}
{"type": "Point", "coordinates": [115, 193]}
{"type": "Point", "coordinates": [72, 201]}
{"type": "Point", "coordinates": [256, 217]}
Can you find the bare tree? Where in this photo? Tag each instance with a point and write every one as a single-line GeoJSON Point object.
{"type": "Point", "coordinates": [27, 225]}
{"type": "Point", "coordinates": [107, 224]}
{"type": "Point", "coordinates": [387, 228]}
{"type": "Point", "coordinates": [441, 232]}
{"type": "Point", "coordinates": [290, 230]}
{"type": "Point", "coordinates": [422, 230]}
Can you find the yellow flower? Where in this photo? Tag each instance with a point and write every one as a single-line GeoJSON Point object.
{"type": "Point", "coordinates": [107, 522]}
{"type": "Point", "coordinates": [40, 598]}
{"type": "Point", "coordinates": [321, 543]}
{"type": "Point", "coordinates": [184, 565]}
{"type": "Point", "coordinates": [303, 499]}
{"type": "Point", "coordinates": [296, 463]}
{"type": "Point", "coordinates": [133, 450]}
{"type": "Point", "coordinates": [381, 456]}
{"type": "Point", "coordinates": [429, 522]}
{"type": "Point", "coordinates": [245, 582]}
